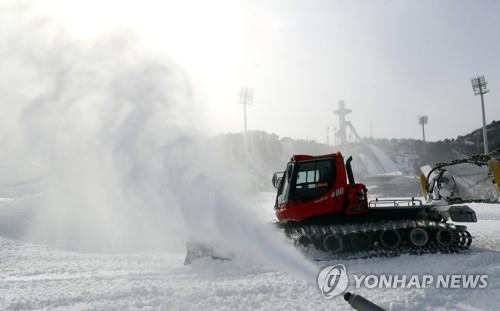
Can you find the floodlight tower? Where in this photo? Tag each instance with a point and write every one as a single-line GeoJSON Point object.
{"type": "Point", "coordinates": [342, 111]}
{"type": "Point", "coordinates": [246, 98]}
{"type": "Point", "coordinates": [422, 120]}
{"type": "Point", "coordinates": [479, 86]}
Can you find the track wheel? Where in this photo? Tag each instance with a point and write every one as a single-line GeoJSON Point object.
{"type": "Point", "coordinates": [419, 237]}
{"type": "Point", "coordinates": [390, 239]}
{"type": "Point", "coordinates": [469, 238]}
{"type": "Point", "coordinates": [332, 243]}
{"type": "Point", "coordinates": [304, 240]}
{"type": "Point", "coordinates": [464, 238]}
{"type": "Point", "coordinates": [444, 237]}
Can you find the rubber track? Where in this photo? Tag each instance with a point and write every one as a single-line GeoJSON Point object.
{"type": "Point", "coordinates": [462, 238]}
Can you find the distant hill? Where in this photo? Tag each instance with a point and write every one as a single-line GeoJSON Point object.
{"type": "Point", "coordinates": [475, 138]}
{"type": "Point", "coordinates": [259, 154]}
{"type": "Point", "coordinates": [409, 154]}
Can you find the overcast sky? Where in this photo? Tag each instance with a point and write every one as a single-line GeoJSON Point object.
{"type": "Point", "coordinates": [390, 61]}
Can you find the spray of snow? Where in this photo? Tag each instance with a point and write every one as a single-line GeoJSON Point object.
{"type": "Point", "coordinates": [111, 133]}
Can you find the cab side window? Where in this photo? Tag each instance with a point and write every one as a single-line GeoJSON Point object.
{"type": "Point", "coordinates": [314, 179]}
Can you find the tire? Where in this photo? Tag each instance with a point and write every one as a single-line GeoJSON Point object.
{"type": "Point", "coordinates": [390, 239]}
{"type": "Point", "coordinates": [332, 243]}
{"type": "Point", "coordinates": [419, 237]}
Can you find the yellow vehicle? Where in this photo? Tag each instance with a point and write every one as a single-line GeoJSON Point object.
{"type": "Point", "coordinates": [472, 179]}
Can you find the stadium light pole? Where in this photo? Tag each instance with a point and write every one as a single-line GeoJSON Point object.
{"type": "Point", "coordinates": [422, 120]}
{"type": "Point", "coordinates": [479, 86]}
{"type": "Point", "coordinates": [246, 98]}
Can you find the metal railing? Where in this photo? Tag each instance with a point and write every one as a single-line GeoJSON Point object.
{"type": "Point", "coordinates": [405, 202]}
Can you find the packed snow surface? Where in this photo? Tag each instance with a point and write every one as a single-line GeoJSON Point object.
{"type": "Point", "coordinates": [35, 276]}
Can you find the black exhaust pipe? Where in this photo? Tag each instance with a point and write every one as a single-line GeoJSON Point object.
{"type": "Point", "coordinates": [348, 168]}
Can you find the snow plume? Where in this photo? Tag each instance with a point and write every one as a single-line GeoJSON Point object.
{"type": "Point", "coordinates": [102, 122]}
{"type": "Point", "coordinates": [113, 135]}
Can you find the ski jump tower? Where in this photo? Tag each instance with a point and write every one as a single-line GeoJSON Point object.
{"type": "Point", "coordinates": [342, 111]}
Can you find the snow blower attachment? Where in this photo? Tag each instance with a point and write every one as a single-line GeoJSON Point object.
{"type": "Point", "coordinates": [195, 250]}
{"type": "Point", "coordinates": [323, 210]}
{"type": "Point", "coordinates": [472, 179]}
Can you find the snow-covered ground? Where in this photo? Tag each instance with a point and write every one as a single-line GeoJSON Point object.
{"type": "Point", "coordinates": [35, 276]}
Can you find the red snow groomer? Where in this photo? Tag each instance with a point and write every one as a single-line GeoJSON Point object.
{"type": "Point", "coordinates": [321, 208]}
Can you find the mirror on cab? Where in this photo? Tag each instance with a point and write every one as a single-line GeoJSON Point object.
{"type": "Point", "coordinates": [277, 179]}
